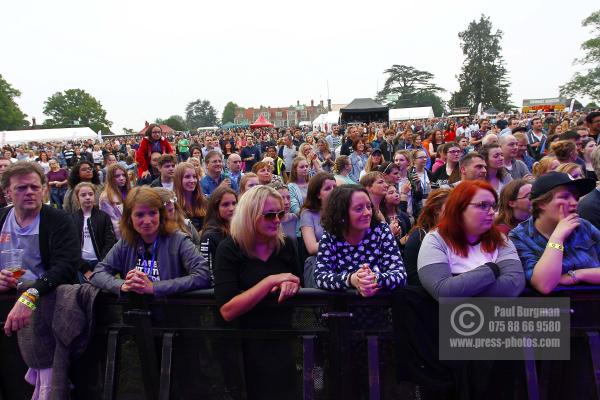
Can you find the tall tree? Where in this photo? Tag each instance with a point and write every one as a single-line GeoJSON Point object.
{"type": "Point", "coordinates": [407, 86]}
{"type": "Point", "coordinates": [200, 113]}
{"type": "Point", "coordinates": [11, 116]}
{"type": "Point", "coordinates": [229, 112]}
{"type": "Point", "coordinates": [588, 83]}
{"type": "Point", "coordinates": [177, 122]}
{"type": "Point", "coordinates": [483, 78]}
{"type": "Point", "coordinates": [75, 107]}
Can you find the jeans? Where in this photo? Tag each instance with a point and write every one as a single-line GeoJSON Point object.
{"type": "Point", "coordinates": [57, 195]}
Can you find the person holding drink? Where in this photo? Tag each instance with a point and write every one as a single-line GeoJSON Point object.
{"type": "Point", "coordinates": [215, 176]}
{"type": "Point", "coordinates": [47, 239]}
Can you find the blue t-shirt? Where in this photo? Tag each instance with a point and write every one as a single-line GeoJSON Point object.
{"type": "Point", "coordinates": [13, 236]}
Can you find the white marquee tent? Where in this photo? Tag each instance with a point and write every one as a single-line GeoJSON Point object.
{"type": "Point", "coordinates": [45, 135]}
{"type": "Point", "coordinates": [402, 114]}
{"type": "Point", "coordinates": [329, 119]}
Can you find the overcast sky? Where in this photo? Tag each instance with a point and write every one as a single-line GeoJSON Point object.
{"type": "Point", "coordinates": [148, 59]}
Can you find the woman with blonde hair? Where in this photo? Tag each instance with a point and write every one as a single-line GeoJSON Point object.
{"type": "Point", "coordinates": [341, 169]}
{"type": "Point", "coordinates": [573, 169]}
{"type": "Point", "coordinates": [152, 257]}
{"type": "Point", "coordinates": [298, 184]}
{"type": "Point", "coordinates": [565, 151]}
{"type": "Point", "coordinates": [189, 194]}
{"type": "Point", "coordinates": [176, 214]}
{"type": "Point", "coordinates": [114, 194]}
{"type": "Point", "coordinates": [248, 181]}
{"type": "Point", "coordinates": [545, 165]}
{"type": "Point", "coordinates": [195, 161]}
{"type": "Point", "coordinates": [314, 165]}
{"type": "Point", "coordinates": [94, 227]}
{"type": "Point", "coordinates": [256, 260]}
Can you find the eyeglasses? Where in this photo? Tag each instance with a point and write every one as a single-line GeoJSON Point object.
{"type": "Point", "coordinates": [270, 216]}
{"type": "Point", "coordinates": [485, 206]}
{"type": "Point", "coordinates": [454, 152]}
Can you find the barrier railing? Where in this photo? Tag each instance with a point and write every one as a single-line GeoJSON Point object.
{"type": "Point", "coordinates": [323, 328]}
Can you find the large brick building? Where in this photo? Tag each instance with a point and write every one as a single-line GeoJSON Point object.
{"type": "Point", "coordinates": [281, 116]}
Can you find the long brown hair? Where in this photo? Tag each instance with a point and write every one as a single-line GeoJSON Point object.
{"type": "Point", "coordinates": [144, 195]}
{"type": "Point", "coordinates": [509, 193]}
{"type": "Point", "coordinates": [199, 202]}
{"type": "Point", "coordinates": [213, 220]}
{"type": "Point", "coordinates": [114, 194]}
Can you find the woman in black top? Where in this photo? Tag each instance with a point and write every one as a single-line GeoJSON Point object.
{"type": "Point", "coordinates": [254, 261]}
{"type": "Point", "coordinates": [219, 213]}
{"type": "Point", "coordinates": [94, 228]}
{"type": "Point", "coordinates": [428, 219]}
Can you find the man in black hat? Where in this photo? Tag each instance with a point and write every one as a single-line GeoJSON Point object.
{"type": "Point", "coordinates": [555, 246]}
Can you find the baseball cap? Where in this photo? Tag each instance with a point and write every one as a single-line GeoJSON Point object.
{"type": "Point", "coordinates": [376, 151]}
{"type": "Point", "coordinates": [552, 179]}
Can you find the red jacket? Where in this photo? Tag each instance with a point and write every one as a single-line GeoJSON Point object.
{"type": "Point", "coordinates": [449, 136]}
{"type": "Point", "coordinates": [142, 155]}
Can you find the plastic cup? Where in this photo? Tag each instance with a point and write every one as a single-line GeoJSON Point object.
{"type": "Point", "coordinates": [12, 260]}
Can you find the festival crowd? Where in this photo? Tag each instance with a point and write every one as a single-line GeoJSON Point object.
{"type": "Point", "coordinates": [460, 207]}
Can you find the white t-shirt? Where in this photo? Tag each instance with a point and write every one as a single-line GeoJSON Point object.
{"type": "Point", "coordinates": [457, 263]}
{"type": "Point", "coordinates": [167, 185]}
{"type": "Point", "coordinates": [87, 251]}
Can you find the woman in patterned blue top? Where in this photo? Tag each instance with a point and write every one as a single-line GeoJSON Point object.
{"type": "Point", "coordinates": [357, 250]}
{"type": "Point", "coordinates": [557, 247]}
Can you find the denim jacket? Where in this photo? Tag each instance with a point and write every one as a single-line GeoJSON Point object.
{"type": "Point", "coordinates": [582, 247]}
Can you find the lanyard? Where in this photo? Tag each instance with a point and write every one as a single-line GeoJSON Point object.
{"type": "Point", "coordinates": [145, 262]}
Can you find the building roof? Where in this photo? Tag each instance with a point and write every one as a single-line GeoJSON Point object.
{"type": "Point", "coordinates": [47, 135]}
{"type": "Point", "coordinates": [364, 104]}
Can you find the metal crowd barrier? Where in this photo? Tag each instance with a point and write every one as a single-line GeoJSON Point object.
{"type": "Point", "coordinates": [322, 328]}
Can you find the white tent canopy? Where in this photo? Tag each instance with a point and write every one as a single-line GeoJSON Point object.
{"type": "Point", "coordinates": [402, 114]}
{"type": "Point", "coordinates": [329, 119]}
{"type": "Point", "coordinates": [46, 135]}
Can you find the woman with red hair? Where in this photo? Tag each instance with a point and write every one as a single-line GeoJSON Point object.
{"type": "Point", "coordinates": [467, 256]}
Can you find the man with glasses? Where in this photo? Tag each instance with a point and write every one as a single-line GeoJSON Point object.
{"type": "Point", "coordinates": [51, 250]}
{"type": "Point", "coordinates": [214, 174]}
{"type": "Point", "coordinates": [510, 149]}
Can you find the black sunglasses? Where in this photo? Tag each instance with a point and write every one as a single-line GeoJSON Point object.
{"type": "Point", "coordinates": [270, 216]}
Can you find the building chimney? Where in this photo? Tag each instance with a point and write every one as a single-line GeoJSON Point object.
{"type": "Point", "coordinates": [312, 103]}
{"type": "Point", "coordinates": [297, 103]}
{"type": "Point", "coordinates": [321, 102]}
{"type": "Point", "coordinates": [328, 104]}
{"type": "Point", "coordinates": [33, 122]}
